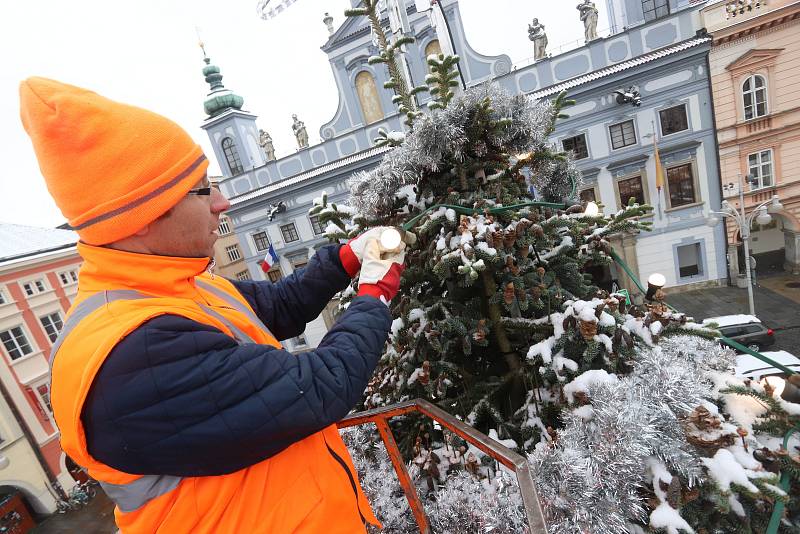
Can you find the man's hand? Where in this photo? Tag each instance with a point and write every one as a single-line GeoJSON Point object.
{"type": "Point", "coordinates": [352, 253]}
{"type": "Point", "coordinates": [381, 270]}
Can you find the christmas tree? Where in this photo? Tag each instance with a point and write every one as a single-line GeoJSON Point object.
{"type": "Point", "coordinates": [625, 410]}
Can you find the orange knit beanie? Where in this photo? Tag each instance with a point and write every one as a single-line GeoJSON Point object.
{"type": "Point", "coordinates": [111, 168]}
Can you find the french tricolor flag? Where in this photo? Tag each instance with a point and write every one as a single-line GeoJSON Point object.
{"type": "Point", "coordinates": [269, 260]}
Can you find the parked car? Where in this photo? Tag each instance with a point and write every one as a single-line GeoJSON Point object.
{"type": "Point", "coordinates": [786, 387]}
{"type": "Point", "coordinates": [748, 366]}
{"type": "Point", "coordinates": [745, 329]}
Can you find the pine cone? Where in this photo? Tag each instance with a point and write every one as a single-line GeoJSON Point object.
{"type": "Point", "coordinates": [588, 329]}
{"type": "Point", "coordinates": [509, 293]}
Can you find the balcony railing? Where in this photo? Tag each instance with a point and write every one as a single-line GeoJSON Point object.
{"type": "Point", "coordinates": [517, 463]}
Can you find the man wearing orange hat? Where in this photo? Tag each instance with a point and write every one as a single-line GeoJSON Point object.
{"type": "Point", "coordinates": [169, 384]}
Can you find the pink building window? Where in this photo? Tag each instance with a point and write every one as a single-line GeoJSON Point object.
{"type": "Point", "coordinates": [754, 94]}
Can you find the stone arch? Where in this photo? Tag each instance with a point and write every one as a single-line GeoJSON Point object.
{"type": "Point", "coordinates": [368, 97]}
{"type": "Point", "coordinates": [39, 503]}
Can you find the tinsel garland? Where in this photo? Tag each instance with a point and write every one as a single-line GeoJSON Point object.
{"type": "Point", "coordinates": [590, 479]}
{"type": "Point", "coordinates": [461, 504]}
{"type": "Point", "coordinates": [443, 135]}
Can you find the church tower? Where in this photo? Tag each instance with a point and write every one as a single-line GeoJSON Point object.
{"type": "Point", "coordinates": [233, 132]}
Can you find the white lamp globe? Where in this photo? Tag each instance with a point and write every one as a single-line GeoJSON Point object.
{"type": "Point", "coordinates": [712, 221]}
{"type": "Point", "coordinates": [763, 218]}
{"type": "Point", "coordinates": [657, 279]}
{"type": "Point", "coordinates": [592, 209]}
{"type": "Point", "coordinates": [391, 239]}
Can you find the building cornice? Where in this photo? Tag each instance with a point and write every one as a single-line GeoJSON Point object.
{"type": "Point", "coordinates": [763, 24]}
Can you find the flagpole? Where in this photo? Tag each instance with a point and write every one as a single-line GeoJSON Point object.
{"type": "Point", "coordinates": [659, 169]}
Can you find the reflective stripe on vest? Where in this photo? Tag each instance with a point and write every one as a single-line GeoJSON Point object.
{"type": "Point", "coordinates": [85, 308]}
{"type": "Point", "coordinates": [234, 302]}
{"type": "Point", "coordinates": [133, 495]}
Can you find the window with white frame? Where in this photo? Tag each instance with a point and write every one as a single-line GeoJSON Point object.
{"type": "Point", "coordinates": [760, 165]}
{"type": "Point", "coordinates": [232, 156]}
{"type": "Point", "coordinates": [244, 275]}
{"type": "Point", "coordinates": [16, 342]}
{"type": "Point", "coordinates": [261, 241]}
{"type": "Point", "coordinates": [588, 195]}
{"type": "Point", "coordinates": [233, 252]}
{"type": "Point", "coordinates": [43, 392]}
{"type": "Point", "coordinates": [622, 134]}
{"type": "Point", "coordinates": [68, 277]}
{"type": "Point", "coordinates": [577, 145]}
{"type": "Point", "coordinates": [52, 325]}
{"type": "Point", "coordinates": [690, 260]}
{"type": "Point", "coordinates": [34, 287]}
{"type": "Point", "coordinates": [754, 96]}
{"type": "Point", "coordinates": [224, 226]}
{"type": "Point", "coordinates": [289, 232]}
{"type": "Point", "coordinates": [673, 120]}
{"type": "Point", "coordinates": [680, 185]}
{"type": "Point", "coordinates": [316, 226]}
{"type": "Point", "coordinates": [275, 274]}
{"type": "Point", "coordinates": [654, 9]}
{"type": "Point", "coordinates": [631, 188]}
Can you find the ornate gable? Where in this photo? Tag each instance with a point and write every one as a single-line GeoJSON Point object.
{"type": "Point", "coordinates": [350, 27]}
{"type": "Point", "coordinates": [754, 59]}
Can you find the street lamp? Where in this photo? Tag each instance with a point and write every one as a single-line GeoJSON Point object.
{"type": "Point", "coordinates": [760, 214]}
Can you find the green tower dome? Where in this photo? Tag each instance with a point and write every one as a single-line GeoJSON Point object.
{"type": "Point", "coordinates": [219, 99]}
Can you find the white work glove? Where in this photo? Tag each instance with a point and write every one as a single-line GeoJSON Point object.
{"type": "Point", "coordinates": [352, 253]}
{"type": "Point", "coordinates": [381, 270]}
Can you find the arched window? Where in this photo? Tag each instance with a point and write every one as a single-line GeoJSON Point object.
{"type": "Point", "coordinates": [432, 49]}
{"type": "Point", "coordinates": [232, 156]}
{"type": "Point", "coordinates": [368, 97]}
{"type": "Point", "coordinates": [754, 94]}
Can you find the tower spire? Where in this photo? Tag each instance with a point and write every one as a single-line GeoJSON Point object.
{"type": "Point", "coordinates": [219, 98]}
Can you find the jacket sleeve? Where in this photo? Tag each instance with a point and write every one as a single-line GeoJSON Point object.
{"type": "Point", "coordinates": [294, 301]}
{"type": "Point", "coordinates": [177, 397]}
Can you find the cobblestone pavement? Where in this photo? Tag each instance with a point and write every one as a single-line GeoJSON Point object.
{"type": "Point", "coordinates": [777, 304]}
{"type": "Point", "coordinates": [95, 518]}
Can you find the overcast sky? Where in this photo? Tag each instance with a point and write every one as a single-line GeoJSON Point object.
{"type": "Point", "coordinates": [146, 53]}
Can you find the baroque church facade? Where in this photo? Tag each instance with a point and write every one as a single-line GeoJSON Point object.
{"type": "Point", "coordinates": [660, 56]}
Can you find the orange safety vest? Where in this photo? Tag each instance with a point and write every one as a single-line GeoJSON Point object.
{"type": "Point", "coordinates": [309, 487]}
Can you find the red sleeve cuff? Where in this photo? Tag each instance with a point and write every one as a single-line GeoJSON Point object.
{"type": "Point", "coordinates": [349, 261]}
{"type": "Point", "coordinates": [372, 290]}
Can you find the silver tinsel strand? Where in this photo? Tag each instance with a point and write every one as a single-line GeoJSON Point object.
{"type": "Point", "coordinates": [442, 135]}
{"type": "Point", "coordinates": [461, 504]}
{"type": "Point", "coordinates": [590, 480]}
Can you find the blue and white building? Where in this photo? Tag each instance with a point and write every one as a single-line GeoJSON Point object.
{"type": "Point", "coordinates": [656, 50]}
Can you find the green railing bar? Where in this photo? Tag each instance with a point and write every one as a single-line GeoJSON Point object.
{"type": "Point", "coordinates": [738, 346]}
{"type": "Point", "coordinates": [777, 512]}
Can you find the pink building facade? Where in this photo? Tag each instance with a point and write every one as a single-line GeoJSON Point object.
{"type": "Point", "coordinates": [38, 281]}
{"type": "Point", "coordinates": [755, 76]}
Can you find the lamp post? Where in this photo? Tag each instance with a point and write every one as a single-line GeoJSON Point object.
{"type": "Point", "coordinates": [759, 214]}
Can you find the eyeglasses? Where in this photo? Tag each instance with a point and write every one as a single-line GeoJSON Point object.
{"type": "Point", "coordinates": [200, 191]}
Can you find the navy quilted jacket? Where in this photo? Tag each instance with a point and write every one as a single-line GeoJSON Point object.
{"type": "Point", "coordinates": [178, 397]}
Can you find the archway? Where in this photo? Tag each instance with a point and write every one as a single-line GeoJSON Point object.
{"type": "Point", "coordinates": [775, 247]}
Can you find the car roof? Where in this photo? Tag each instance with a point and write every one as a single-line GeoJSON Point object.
{"type": "Point", "coordinates": [730, 320]}
{"type": "Point", "coordinates": [749, 366]}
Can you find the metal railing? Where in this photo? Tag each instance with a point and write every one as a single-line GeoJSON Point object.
{"type": "Point", "coordinates": [510, 459]}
